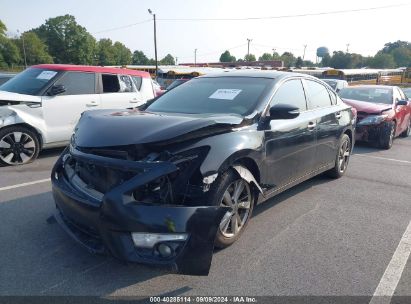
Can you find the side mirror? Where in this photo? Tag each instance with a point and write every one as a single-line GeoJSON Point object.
{"type": "Point", "coordinates": [284, 111]}
{"type": "Point", "coordinates": [56, 89]}
{"type": "Point", "coordinates": [403, 102]}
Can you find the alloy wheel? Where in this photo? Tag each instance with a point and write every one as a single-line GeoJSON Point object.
{"type": "Point", "coordinates": [239, 199]}
{"type": "Point", "coordinates": [17, 148]}
{"type": "Point", "coordinates": [344, 156]}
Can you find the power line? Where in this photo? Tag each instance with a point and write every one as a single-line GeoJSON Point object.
{"type": "Point", "coordinates": [288, 16]}
{"type": "Point", "coordinates": [123, 27]}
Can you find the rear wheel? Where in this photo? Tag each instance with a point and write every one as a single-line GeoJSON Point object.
{"type": "Point", "coordinates": [342, 158]}
{"type": "Point", "coordinates": [407, 131]}
{"type": "Point", "coordinates": [18, 145]}
{"type": "Point", "coordinates": [237, 194]}
{"type": "Point", "coordinates": [387, 136]}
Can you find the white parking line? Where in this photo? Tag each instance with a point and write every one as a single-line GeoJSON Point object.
{"type": "Point", "coordinates": [385, 158]}
{"type": "Point", "coordinates": [392, 274]}
{"type": "Point", "coordinates": [25, 184]}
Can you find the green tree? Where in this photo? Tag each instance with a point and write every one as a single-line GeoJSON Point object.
{"type": "Point", "coordinates": [168, 60]}
{"type": "Point", "coordinates": [402, 56]}
{"type": "Point", "coordinates": [340, 60]}
{"type": "Point", "coordinates": [326, 60]}
{"type": "Point", "coordinates": [288, 59]}
{"type": "Point", "coordinates": [275, 56]}
{"type": "Point", "coordinates": [266, 57]}
{"type": "Point", "coordinates": [391, 46]}
{"type": "Point", "coordinates": [9, 52]}
{"type": "Point", "coordinates": [122, 54]}
{"type": "Point", "coordinates": [3, 29]}
{"type": "Point", "coordinates": [67, 41]}
{"type": "Point", "coordinates": [382, 61]}
{"type": "Point", "coordinates": [106, 54]}
{"type": "Point", "coordinates": [139, 58]}
{"type": "Point", "coordinates": [227, 57]}
{"type": "Point", "coordinates": [299, 62]}
{"type": "Point", "coordinates": [36, 50]}
{"type": "Point", "coordinates": [249, 58]}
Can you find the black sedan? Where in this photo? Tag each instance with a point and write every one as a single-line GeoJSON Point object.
{"type": "Point", "coordinates": [166, 183]}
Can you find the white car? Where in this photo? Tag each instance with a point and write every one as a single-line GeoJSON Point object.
{"type": "Point", "coordinates": [336, 84]}
{"type": "Point", "coordinates": [40, 107]}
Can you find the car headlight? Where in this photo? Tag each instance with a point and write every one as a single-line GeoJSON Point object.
{"type": "Point", "coordinates": [373, 120]}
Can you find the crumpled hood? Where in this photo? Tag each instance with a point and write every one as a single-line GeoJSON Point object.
{"type": "Point", "coordinates": [105, 128]}
{"type": "Point", "coordinates": [9, 96]}
{"type": "Point", "coordinates": [367, 107]}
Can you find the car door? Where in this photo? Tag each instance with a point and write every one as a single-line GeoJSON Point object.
{"type": "Point", "coordinates": [118, 92]}
{"type": "Point", "coordinates": [327, 113]}
{"type": "Point", "coordinates": [401, 112]}
{"type": "Point", "coordinates": [289, 143]}
{"type": "Point", "coordinates": [62, 112]}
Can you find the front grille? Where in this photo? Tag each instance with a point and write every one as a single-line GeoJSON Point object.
{"type": "Point", "coordinates": [95, 178]}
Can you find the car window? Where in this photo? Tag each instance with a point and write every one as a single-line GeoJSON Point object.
{"type": "Point", "coordinates": [126, 84]}
{"type": "Point", "coordinates": [333, 97]}
{"type": "Point", "coordinates": [78, 83]}
{"type": "Point", "coordinates": [137, 81]}
{"type": "Point", "coordinates": [111, 83]}
{"type": "Point", "coordinates": [317, 94]}
{"type": "Point", "coordinates": [291, 92]}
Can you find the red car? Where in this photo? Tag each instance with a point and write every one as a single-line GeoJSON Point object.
{"type": "Point", "coordinates": [383, 113]}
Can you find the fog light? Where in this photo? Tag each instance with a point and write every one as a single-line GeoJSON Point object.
{"type": "Point", "coordinates": [148, 240]}
{"type": "Point", "coordinates": [165, 250]}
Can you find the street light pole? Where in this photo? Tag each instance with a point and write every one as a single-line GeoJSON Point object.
{"type": "Point", "coordinates": [248, 49]}
{"type": "Point", "coordinates": [24, 49]}
{"type": "Point", "coordinates": [305, 46]}
{"type": "Point", "coordinates": [155, 40]}
{"type": "Point", "coordinates": [195, 57]}
{"type": "Point", "coordinates": [348, 45]}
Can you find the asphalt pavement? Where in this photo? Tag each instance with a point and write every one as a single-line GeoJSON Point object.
{"type": "Point", "coordinates": [323, 237]}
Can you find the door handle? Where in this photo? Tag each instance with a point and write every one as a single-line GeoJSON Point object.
{"type": "Point", "coordinates": [338, 115]}
{"type": "Point", "coordinates": [134, 100]}
{"type": "Point", "coordinates": [92, 104]}
{"type": "Point", "coordinates": [311, 125]}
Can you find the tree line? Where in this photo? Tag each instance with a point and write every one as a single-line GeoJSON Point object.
{"type": "Point", "coordinates": [392, 55]}
{"type": "Point", "coordinates": [63, 40]}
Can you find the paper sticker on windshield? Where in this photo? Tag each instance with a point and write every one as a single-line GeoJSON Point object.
{"type": "Point", "coordinates": [382, 91]}
{"type": "Point", "coordinates": [227, 94]}
{"type": "Point", "coordinates": [47, 75]}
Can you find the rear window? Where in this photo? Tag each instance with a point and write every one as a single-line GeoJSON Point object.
{"type": "Point", "coordinates": [222, 95]}
{"type": "Point", "coordinates": [110, 83]}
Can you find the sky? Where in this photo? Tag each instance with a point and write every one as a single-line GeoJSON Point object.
{"type": "Point", "coordinates": [366, 32]}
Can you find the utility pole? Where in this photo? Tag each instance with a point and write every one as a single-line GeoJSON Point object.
{"type": "Point", "coordinates": [24, 49]}
{"type": "Point", "coordinates": [248, 48]}
{"type": "Point", "coordinates": [195, 57]}
{"type": "Point", "coordinates": [176, 60]}
{"type": "Point", "coordinates": [305, 47]}
{"type": "Point", "coordinates": [348, 45]}
{"type": "Point", "coordinates": [155, 40]}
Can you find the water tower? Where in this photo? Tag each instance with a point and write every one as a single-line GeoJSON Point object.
{"type": "Point", "coordinates": [322, 51]}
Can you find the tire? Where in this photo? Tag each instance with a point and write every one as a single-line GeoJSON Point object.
{"type": "Point", "coordinates": [18, 146]}
{"type": "Point", "coordinates": [342, 158]}
{"type": "Point", "coordinates": [407, 131]}
{"type": "Point", "coordinates": [222, 194]}
{"type": "Point", "coordinates": [387, 136]}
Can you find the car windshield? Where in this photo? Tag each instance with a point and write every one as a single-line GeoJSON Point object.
{"type": "Point", "coordinates": [407, 92]}
{"type": "Point", "coordinates": [30, 81]}
{"type": "Point", "coordinates": [331, 83]}
{"type": "Point", "coordinates": [219, 95]}
{"type": "Point", "coordinates": [368, 94]}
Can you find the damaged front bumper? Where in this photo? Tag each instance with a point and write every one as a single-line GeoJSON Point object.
{"type": "Point", "coordinates": [371, 133]}
{"type": "Point", "coordinates": [169, 235]}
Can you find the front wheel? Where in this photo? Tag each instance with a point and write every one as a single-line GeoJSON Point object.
{"type": "Point", "coordinates": [342, 158]}
{"type": "Point", "coordinates": [387, 136]}
{"type": "Point", "coordinates": [18, 146]}
{"type": "Point", "coordinates": [231, 191]}
{"type": "Point", "coordinates": [407, 131]}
